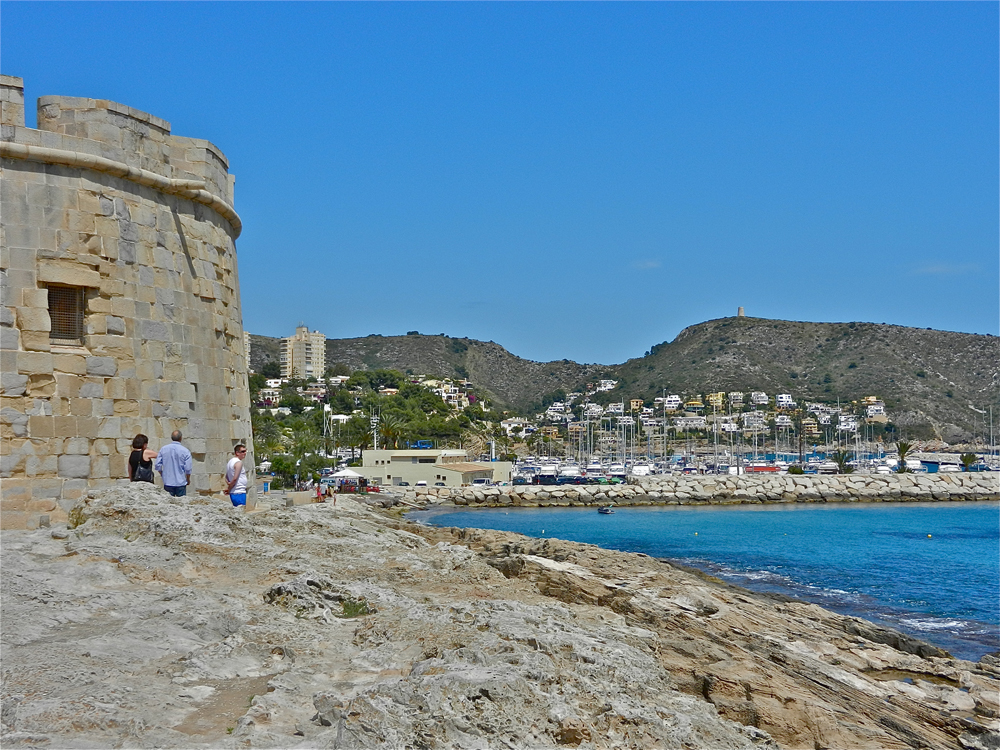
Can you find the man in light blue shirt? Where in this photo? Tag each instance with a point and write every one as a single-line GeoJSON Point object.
{"type": "Point", "coordinates": [174, 464]}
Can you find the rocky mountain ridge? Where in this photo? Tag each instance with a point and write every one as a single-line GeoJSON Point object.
{"type": "Point", "coordinates": [935, 383]}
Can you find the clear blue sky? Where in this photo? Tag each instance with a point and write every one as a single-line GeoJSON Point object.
{"type": "Point", "coordinates": [571, 180]}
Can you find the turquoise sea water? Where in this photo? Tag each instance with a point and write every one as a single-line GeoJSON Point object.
{"type": "Point", "coordinates": [928, 569]}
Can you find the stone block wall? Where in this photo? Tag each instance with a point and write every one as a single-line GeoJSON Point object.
{"type": "Point", "coordinates": [103, 198]}
{"type": "Point", "coordinates": [719, 490]}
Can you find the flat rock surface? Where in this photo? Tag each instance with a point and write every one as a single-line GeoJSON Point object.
{"type": "Point", "coordinates": [181, 622]}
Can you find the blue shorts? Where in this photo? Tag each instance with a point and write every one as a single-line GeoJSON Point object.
{"type": "Point", "coordinates": [238, 500]}
{"type": "Point", "coordinates": [176, 491]}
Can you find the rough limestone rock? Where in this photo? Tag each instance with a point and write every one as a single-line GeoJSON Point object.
{"type": "Point", "coordinates": [185, 623]}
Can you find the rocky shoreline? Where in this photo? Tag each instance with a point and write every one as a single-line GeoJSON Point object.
{"type": "Point", "coordinates": [721, 490]}
{"type": "Point", "coordinates": [181, 622]}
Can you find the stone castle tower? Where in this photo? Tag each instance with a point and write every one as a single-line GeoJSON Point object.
{"type": "Point", "coordinates": [120, 309]}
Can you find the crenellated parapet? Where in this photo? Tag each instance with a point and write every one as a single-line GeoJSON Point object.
{"type": "Point", "coordinates": [120, 301]}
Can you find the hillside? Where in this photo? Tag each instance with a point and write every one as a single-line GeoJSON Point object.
{"type": "Point", "coordinates": [932, 381]}
{"type": "Point", "coordinates": [927, 378]}
{"type": "Point", "coordinates": [511, 381]}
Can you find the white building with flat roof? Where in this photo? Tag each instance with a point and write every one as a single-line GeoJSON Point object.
{"type": "Point", "coordinates": [671, 403]}
{"type": "Point", "coordinates": [447, 467]}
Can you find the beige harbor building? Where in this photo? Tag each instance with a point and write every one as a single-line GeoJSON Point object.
{"type": "Point", "coordinates": [119, 302]}
{"type": "Point", "coordinates": [304, 354]}
{"type": "Point", "coordinates": [447, 467]}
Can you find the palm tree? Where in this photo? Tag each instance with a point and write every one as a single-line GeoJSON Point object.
{"type": "Point", "coordinates": [903, 448]}
{"type": "Point", "coordinates": [357, 434]}
{"type": "Point", "coordinates": [968, 459]}
{"type": "Point", "coordinates": [303, 440]}
{"type": "Point", "coordinates": [391, 428]}
{"type": "Point", "coordinates": [266, 437]}
{"type": "Point", "coordinates": [841, 458]}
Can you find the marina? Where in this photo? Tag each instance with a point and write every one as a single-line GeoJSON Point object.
{"type": "Point", "coordinates": [548, 470]}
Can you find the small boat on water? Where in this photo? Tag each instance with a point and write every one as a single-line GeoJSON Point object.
{"type": "Point", "coordinates": [606, 510]}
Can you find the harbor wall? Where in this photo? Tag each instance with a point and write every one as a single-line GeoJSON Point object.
{"type": "Point", "coordinates": [124, 235]}
{"type": "Point", "coordinates": [718, 490]}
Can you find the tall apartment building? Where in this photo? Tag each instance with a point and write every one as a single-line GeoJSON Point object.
{"type": "Point", "coordinates": [303, 354]}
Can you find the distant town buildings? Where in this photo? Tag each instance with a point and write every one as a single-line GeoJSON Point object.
{"type": "Point", "coordinates": [671, 403]}
{"type": "Point", "coordinates": [578, 418]}
{"type": "Point", "coordinates": [517, 426]}
{"type": "Point", "coordinates": [784, 401]}
{"type": "Point", "coordinates": [454, 393]}
{"type": "Point", "coordinates": [304, 354]}
{"type": "Point", "coordinates": [694, 405]}
{"type": "Point", "coordinates": [874, 410]}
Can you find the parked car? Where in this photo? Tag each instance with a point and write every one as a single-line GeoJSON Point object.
{"type": "Point", "coordinates": [482, 482]}
{"type": "Point", "coordinates": [439, 484]}
{"type": "Point", "coordinates": [403, 484]}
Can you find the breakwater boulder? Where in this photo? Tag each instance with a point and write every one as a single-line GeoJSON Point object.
{"type": "Point", "coordinates": [722, 489]}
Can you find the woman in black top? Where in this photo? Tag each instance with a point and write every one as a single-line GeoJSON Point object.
{"type": "Point", "coordinates": [140, 461]}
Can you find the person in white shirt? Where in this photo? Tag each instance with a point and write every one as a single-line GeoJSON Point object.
{"type": "Point", "coordinates": [236, 476]}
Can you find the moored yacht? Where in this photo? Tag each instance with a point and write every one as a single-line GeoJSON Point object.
{"type": "Point", "coordinates": [617, 470]}
{"type": "Point", "coordinates": [641, 470]}
{"type": "Point", "coordinates": [547, 473]}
